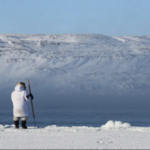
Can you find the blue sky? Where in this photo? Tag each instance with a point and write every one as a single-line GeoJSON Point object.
{"type": "Point", "coordinates": [108, 17]}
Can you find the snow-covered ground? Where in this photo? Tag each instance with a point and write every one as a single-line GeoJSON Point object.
{"type": "Point", "coordinates": [112, 135]}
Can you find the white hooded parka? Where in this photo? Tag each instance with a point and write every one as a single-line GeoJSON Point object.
{"type": "Point", "coordinates": [19, 99]}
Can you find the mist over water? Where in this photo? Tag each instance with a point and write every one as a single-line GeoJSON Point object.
{"type": "Point", "coordinates": [47, 100]}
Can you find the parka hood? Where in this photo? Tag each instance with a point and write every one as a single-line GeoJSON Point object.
{"type": "Point", "coordinates": [19, 88]}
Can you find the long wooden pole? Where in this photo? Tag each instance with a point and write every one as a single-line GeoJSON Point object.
{"type": "Point", "coordinates": [31, 102]}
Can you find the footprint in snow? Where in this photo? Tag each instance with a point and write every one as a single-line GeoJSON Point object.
{"type": "Point", "coordinates": [104, 142]}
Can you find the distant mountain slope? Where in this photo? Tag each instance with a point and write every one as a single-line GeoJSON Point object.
{"type": "Point", "coordinates": [68, 64]}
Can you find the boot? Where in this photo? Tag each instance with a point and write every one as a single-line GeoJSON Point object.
{"type": "Point", "coordinates": [16, 124]}
{"type": "Point", "coordinates": [24, 125]}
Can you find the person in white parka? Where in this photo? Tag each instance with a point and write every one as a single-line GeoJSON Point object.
{"type": "Point", "coordinates": [20, 108]}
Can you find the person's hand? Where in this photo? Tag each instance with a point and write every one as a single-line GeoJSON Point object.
{"type": "Point", "coordinates": [31, 96]}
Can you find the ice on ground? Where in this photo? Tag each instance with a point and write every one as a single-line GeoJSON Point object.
{"type": "Point", "coordinates": [116, 124]}
{"type": "Point", "coordinates": [109, 126]}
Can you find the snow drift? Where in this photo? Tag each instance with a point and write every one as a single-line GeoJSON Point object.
{"type": "Point", "coordinates": [116, 124]}
{"type": "Point", "coordinates": [75, 65]}
{"type": "Point", "coordinates": [110, 125]}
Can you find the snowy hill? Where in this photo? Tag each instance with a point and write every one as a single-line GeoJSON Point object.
{"type": "Point", "coordinates": [71, 65]}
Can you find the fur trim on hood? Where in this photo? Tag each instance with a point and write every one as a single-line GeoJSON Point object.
{"type": "Point", "coordinates": [19, 88]}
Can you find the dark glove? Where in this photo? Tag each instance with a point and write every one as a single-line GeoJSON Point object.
{"type": "Point", "coordinates": [31, 96]}
{"type": "Point", "coordinates": [27, 96]}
